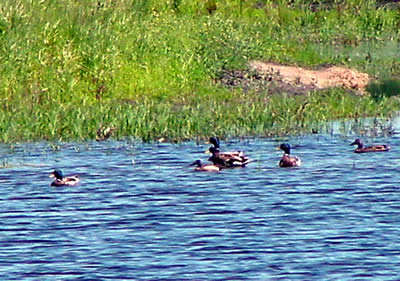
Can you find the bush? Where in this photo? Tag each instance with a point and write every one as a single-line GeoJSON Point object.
{"type": "Point", "coordinates": [385, 88]}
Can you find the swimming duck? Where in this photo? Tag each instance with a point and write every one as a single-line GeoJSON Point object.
{"type": "Point", "coordinates": [226, 159]}
{"type": "Point", "coordinates": [287, 160]}
{"type": "Point", "coordinates": [61, 181]}
{"type": "Point", "coordinates": [373, 148]}
{"type": "Point", "coordinates": [205, 167]}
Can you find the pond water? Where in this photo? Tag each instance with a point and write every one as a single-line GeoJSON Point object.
{"type": "Point", "coordinates": [141, 213]}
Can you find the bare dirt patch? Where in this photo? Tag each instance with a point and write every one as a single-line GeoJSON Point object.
{"type": "Point", "coordinates": [276, 78]}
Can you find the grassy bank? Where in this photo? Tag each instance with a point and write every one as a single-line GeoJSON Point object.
{"type": "Point", "coordinates": [150, 68]}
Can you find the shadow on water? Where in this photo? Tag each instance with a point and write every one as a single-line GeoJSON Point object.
{"type": "Point", "coordinates": [141, 213]}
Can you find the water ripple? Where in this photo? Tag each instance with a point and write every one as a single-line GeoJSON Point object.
{"type": "Point", "coordinates": [154, 218]}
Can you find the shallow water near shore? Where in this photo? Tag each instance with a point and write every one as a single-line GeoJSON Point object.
{"type": "Point", "coordinates": [141, 213]}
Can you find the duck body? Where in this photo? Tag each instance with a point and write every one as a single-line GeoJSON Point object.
{"type": "Point", "coordinates": [373, 148]}
{"type": "Point", "coordinates": [228, 159]}
{"type": "Point", "coordinates": [60, 180]}
{"type": "Point", "coordinates": [205, 167]}
{"type": "Point", "coordinates": [288, 160]}
{"type": "Point", "coordinates": [104, 133]}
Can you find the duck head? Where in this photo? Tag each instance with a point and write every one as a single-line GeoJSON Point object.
{"type": "Point", "coordinates": [285, 147]}
{"type": "Point", "coordinates": [57, 174]}
{"type": "Point", "coordinates": [196, 163]}
{"type": "Point", "coordinates": [358, 142]}
{"type": "Point", "coordinates": [214, 141]}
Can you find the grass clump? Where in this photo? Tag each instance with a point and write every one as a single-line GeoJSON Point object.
{"type": "Point", "coordinates": [149, 68]}
{"type": "Point", "coordinates": [384, 89]}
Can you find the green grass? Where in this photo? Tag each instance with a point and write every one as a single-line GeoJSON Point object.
{"type": "Point", "coordinates": [147, 120]}
{"type": "Point", "coordinates": [385, 88]}
{"type": "Point", "coordinates": [148, 68]}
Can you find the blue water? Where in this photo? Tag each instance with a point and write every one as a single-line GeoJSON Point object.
{"type": "Point", "coordinates": [141, 213]}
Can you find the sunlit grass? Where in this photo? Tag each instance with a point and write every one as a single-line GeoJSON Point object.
{"type": "Point", "coordinates": [149, 68]}
{"type": "Point", "coordinates": [149, 120]}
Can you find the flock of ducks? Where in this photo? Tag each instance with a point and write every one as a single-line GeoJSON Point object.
{"type": "Point", "coordinates": [222, 160]}
{"type": "Point", "coordinates": [225, 160]}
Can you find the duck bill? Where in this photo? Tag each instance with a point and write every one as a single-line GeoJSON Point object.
{"type": "Point", "coordinates": [353, 143]}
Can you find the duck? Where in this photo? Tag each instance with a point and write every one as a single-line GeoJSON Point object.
{"type": "Point", "coordinates": [60, 180]}
{"type": "Point", "coordinates": [288, 160]}
{"type": "Point", "coordinates": [373, 148]}
{"type": "Point", "coordinates": [226, 159]}
{"type": "Point", "coordinates": [104, 133]}
{"type": "Point", "coordinates": [205, 167]}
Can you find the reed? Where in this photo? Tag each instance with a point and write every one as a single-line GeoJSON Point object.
{"type": "Point", "coordinates": [149, 68]}
{"type": "Point", "coordinates": [150, 120]}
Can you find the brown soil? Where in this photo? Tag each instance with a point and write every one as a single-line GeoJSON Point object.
{"type": "Point", "coordinates": [275, 78]}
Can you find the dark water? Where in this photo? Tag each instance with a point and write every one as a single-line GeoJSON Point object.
{"type": "Point", "coordinates": [335, 218]}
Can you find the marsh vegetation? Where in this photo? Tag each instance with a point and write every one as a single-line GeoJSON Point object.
{"type": "Point", "coordinates": [152, 69]}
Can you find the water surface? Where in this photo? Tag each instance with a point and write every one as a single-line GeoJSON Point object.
{"type": "Point", "coordinates": [141, 213]}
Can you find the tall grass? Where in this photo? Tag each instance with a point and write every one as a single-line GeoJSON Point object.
{"type": "Point", "coordinates": [149, 119]}
{"type": "Point", "coordinates": [149, 67]}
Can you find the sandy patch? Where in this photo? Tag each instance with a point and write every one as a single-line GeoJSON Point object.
{"type": "Point", "coordinates": [327, 77]}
